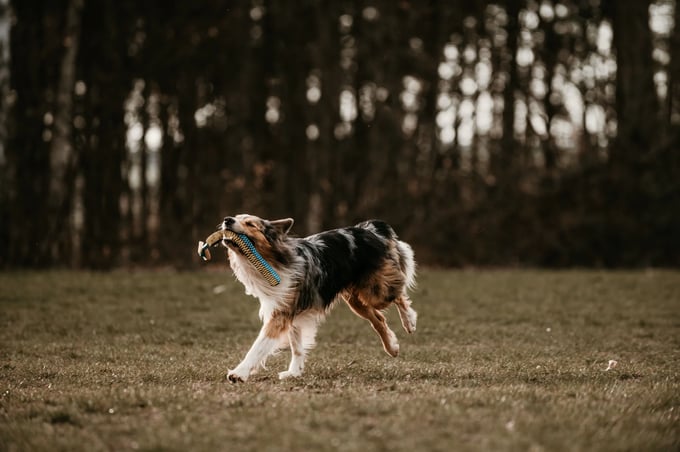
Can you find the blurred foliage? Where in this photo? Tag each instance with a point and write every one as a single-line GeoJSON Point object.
{"type": "Point", "coordinates": [334, 112]}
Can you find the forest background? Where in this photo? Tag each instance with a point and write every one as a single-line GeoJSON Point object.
{"type": "Point", "coordinates": [538, 133]}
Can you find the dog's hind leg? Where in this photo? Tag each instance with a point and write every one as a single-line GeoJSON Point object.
{"type": "Point", "coordinates": [377, 319]}
{"type": "Point", "coordinates": [407, 314]}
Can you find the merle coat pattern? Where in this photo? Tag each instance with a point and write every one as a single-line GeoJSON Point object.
{"type": "Point", "coordinates": [366, 265]}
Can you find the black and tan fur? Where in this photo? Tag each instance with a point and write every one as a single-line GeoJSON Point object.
{"type": "Point", "coordinates": [366, 265]}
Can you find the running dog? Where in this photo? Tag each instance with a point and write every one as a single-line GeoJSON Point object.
{"type": "Point", "coordinates": [366, 265]}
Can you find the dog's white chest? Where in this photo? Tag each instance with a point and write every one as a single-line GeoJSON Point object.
{"type": "Point", "coordinates": [271, 297]}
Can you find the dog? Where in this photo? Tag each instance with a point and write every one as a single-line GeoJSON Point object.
{"type": "Point", "coordinates": [367, 266]}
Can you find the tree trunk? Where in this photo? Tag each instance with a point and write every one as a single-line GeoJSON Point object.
{"type": "Point", "coordinates": [674, 76]}
{"type": "Point", "coordinates": [28, 151]}
{"type": "Point", "coordinates": [636, 101]}
{"type": "Point", "coordinates": [102, 59]}
{"type": "Point", "coordinates": [292, 56]}
{"type": "Point", "coordinates": [508, 157]}
{"type": "Point", "coordinates": [61, 150]}
{"type": "Point", "coordinates": [5, 26]}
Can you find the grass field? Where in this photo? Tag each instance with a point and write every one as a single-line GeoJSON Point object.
{"type": "Point", "coordinates": [502, 360]}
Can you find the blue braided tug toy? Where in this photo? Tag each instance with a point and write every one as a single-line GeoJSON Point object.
{"type": "Point", "coordinates": [247, 248]}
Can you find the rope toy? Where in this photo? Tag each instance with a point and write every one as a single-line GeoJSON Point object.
{"type": "Point", "coordinates": [247, 248]}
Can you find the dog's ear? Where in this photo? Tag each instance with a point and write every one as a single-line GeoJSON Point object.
{"type": "Point", "coordinates": [282, 226]}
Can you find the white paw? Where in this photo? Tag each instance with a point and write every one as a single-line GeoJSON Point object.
{"type": "Point", "coordinates": [289, 374]}
{"type": "Point", "coordinates": [392, 345]}
{"type": "Point", "coordinates": [393, 350]}
{"type": "Point", "coordinates": [238, 375]}
{"type": "Point", "coordinates": [412, 316]}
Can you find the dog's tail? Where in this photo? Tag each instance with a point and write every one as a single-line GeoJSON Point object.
{"type": "Point", "coordinates": [407, 262]}
{"type": "Point", "coordinates": [405, 255]}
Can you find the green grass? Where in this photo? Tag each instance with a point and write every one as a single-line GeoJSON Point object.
{"type": "Point", "coordinates": [502, 360]}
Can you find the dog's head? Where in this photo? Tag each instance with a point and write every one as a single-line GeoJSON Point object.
{"type": "Point", "coordinates": [267, 236]}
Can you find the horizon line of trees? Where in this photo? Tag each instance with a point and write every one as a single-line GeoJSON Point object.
{"type": "Point", "coordinates": [509, 132]}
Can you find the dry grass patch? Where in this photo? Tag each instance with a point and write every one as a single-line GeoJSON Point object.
{"type": "Point", "coordinates": [502, 360]}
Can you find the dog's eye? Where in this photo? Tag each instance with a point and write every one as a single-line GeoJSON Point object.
{"type": "Point", "coordinates": [250, 224]}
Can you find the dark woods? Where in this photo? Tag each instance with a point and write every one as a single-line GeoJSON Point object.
{"type": "Point", "coordinates": [537, 132]}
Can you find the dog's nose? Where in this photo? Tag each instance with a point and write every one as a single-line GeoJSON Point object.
{"type": "Point", "coordinates": [228, 221]}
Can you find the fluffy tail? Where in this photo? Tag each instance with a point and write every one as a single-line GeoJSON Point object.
{"type": "Point", "coordinates": [407, 263]}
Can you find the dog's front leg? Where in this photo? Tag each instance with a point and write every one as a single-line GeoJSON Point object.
{"type": "Point", "coordinates": [297, 360]}
{"type": "Point", "coordinates": [259, 351]}
{"type": "Point", "coordinates": [266, 343]}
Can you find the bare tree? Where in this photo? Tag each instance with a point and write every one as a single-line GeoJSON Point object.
{"type": "Point", "coordinates": [508, 156]}
{"type": "Point", "coordinates": [674, 85]}
{"type": "Point", "coordinates": [61, 150]}
{"type": "Point", "coordinates": [5, 26]}
{"type": "Point", "coordinates": [636, 102]}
